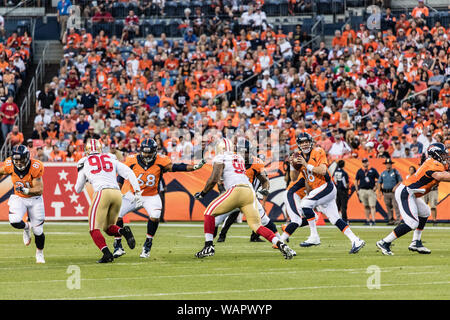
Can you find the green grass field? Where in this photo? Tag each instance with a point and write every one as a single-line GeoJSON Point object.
{"type": "Point", "coordinates": [239, 270]}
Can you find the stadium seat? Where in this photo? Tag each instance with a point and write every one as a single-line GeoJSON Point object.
{"type": "Point", "coordinates": [307, 25]}
{"type": "Point", "coordinates": [338, 6]}
{"type": "Point", "coordinates": [145, 27]}
{"type": "Point", "coordinates": [130, 6]}
{"type": "Point", "coordinates": [118, 27]}
{"type": "Point", "coordinates": [324, 7]}
{"type": "Point", "coordinates": [180, 8]}
{"type": "Point", "coordinates": [272, 7]}
{"type": "Point", "coordinates": [173, 25]}
{"type": "Point", "coordinates": [170, 9]}
{"type": "Point", "coordinates": [157, 27]}
{"type": "Point", "coordinates": [118, 9]}
{"type": "Point", "coordinates": [22, 26]}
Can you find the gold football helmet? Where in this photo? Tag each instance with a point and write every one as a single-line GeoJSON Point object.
{"type": "Point", "coordinates": [93, 146]}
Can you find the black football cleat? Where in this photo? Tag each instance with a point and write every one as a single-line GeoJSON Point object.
{"type": "Point", "coordinates": [208, 250]}
{"type": "Point", "coordinates": [417, 246]}
{"type": "Point", "coordinates": [287, 252]}
{"type": "Point", "coordinates": [385, 248]}
{"type": "Point", "coordinates": [128, 235]}
{"type": "Point", "coordinates": [221, 238]}
{"type": "Point", "coordinates": [107, 257]}
{"type": "Point", "coordinates": [255, 238]}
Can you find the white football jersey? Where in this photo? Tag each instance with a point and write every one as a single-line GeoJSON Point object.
{"type": "Point", "coordinates": [234, 169]}
{"type": "Point", "coordinates": [101, 170]}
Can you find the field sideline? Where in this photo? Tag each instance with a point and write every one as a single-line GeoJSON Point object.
{"type": "Point", "coordinates": [239, 270]}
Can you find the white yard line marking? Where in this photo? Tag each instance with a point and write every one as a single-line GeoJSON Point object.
{"type": "Point", "coordinates": [46, 232]}
{"type": "Point", "coordinates": [249, 291]}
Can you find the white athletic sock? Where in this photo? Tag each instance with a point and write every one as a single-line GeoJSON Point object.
{"type": "Point", "coordinates": [27, 226]}
{"type": "Point", "coordinates": [284, 237]}
{"type": "Point", "coordinates": [209, 237]}
{"type": "Point", "coordinates": [349, 233]}
{"type": "Point", "coordinates": [391, 237]}
{"type": "Point", "coordinates": [277, 234]}
{"type": "Point", "coordinates": [313, 228]}
{"type": "Point", "coordinates": [417, 234]}
{"type": "Point", "coordinates": [275, 240]}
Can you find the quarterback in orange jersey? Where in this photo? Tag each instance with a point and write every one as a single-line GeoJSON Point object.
{"type": "Point", "coordinates": [254, 170]}
{"type": "Point", "coordinates": [26, 175]}
{"type": "Point", "coordinates": [314, 166]}
{"type": "Point", "coordinates": [408, 195]}
{"type": "Point", "coordinates": [148, 166]}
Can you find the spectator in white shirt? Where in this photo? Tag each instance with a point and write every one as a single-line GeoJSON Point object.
{"type": "Point", "coordinates": [267, 80]}
{"type": "Point", "coordinates": [339, 147]}
{"type": "Point", "coordinates": [285, 48]}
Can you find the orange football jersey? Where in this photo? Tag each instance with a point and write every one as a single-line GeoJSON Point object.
{"type": "Point", "coordinates": [317, 157]}
{"type": "Point", "coordinates": [35, 170]}
{"type": "Point", "coordinates": [148, 179]}
{"type": "Point", "coordinates": [298, 185]}
{"type": "Point", "coordinates": [255, 169]}
{"type": "Point", "coordinates": [422, 179]}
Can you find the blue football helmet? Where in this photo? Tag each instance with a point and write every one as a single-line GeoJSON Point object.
{"type": "Point", "coordinates": [20, 157]}
{"type": "Point", "coordinates": [148, 150]}
{"type": "Point", "coordinates": [302, 138]}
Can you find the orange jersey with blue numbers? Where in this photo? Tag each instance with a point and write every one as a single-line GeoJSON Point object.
{"type": "Point", "coordinates": [422, 179]}
{"type": "Point", "coordinates": [24, 179]}
{"type": "Point", "coordinates": [298, 186]}
{"type": "Point", "coordinates": [317, 157]}
{"type": "Point", "coordinates": [254, 170]}
{"type": "Point", "coordinates": [148, 177]}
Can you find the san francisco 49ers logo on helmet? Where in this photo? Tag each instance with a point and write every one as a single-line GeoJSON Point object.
{"type": "Point", "coordinates": [93, 146]}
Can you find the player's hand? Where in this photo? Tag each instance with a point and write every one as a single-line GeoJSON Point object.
{"type": "Point", "coordinates": [301, 161]}
{"type": "Point", "coordinates": [138, 200]}
{"type": "Point", "coordinates": [264, 192]}
{"type": "Point", "coordinates": [198, 195]}
{"type": "Point", "coordinates": [22, 190]}
{"type": "Point", "coordinates": [199, 165]}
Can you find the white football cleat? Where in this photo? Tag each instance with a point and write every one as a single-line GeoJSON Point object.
{"type": "Point", "coordinates": [357, 245]}
{"type": "Point", "coordinates": [311, 241]}
{"type": "Point", "coordinates": [40, 256]}
{"type": "Point", "coordinates": [27, 234]}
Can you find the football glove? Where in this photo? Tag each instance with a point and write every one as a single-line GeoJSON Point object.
{"type": "Point", "coordinates": [22, 190]}
{"type": "Point", "coordinates": [138, 200]}
{"type": "Point", "coordinates": [199, 195]}
{"type": "Point", "coordinates": [264, 192]}
{"type": "Point", "coordinates": [199, 165]}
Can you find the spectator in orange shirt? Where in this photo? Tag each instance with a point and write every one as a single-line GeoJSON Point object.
{"type": "Point", "coordinates": [15, 137]}
{"type": "Point", "coordinates": [339, 40]}
{"type": "Point", "coordinates": [420, 12]}
{"type": "Point", "coordinates": [57, 155]}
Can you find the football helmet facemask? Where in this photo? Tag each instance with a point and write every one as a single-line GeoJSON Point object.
{"type": "Point", "coordinates": [148, 150]}
{"type": "Point", "coordinates": [20, 157]}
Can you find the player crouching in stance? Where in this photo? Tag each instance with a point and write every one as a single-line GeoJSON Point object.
{"type": "Point", "coordinates": [408, 195]}
{"type": "Point", "coordinates": [314, 166]}
{"type": "Point", "coordinates": [239, 194]}
{"type": "Point", "coordinates": [26, 175]}
{"type": "Point", "coordinates": [148, 167]}
{"type": "Point", "coordinates": [101, 170]}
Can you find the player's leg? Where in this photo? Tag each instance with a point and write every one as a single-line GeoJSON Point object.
{"type": "Point", "coordinates": [249, 209]}
{"type": "Point", "coordinates": [319, 196]}
{"type": "Point", "coordinates": [17, 210]}
{"type": "Point", "coordinates": [36, 212]}
{"type": "Point", "coordinates": [409, 212]}
{"type": "Point", "coordinates": [153, 206]}
{"type": "Point", "coordinates": [223, 204]}
{"type": "Point", "coordinates": [98, 213]}
{"type": "Point", "coordinates": [229, 220]}
{"type": "Point", "coordinates": [291, 203]}
{"type": "Point", "coordinates": [331, 211]}
{"type": "Point", "coordinates": [423, 212]}
{"type": "Point", "coordinates": [265, 222]}
{"type": "Point", "coordinates": [127, 206]}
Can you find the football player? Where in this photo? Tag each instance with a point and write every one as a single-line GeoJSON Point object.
{"type": "Point", "coordinates": [254, 169]}
{"type": "Point", "coordinates": [239, 194]}
{"type": "Point", "coordinates": [148, 166]}
{"type": "Point", "coordinates": [26, 175]}
{"type": "Point", "coordinates": [314, 166]}
{"type": "Point", "coordinates": [413, 209]}
{"type": "Point", "coordinates": [101, 170]}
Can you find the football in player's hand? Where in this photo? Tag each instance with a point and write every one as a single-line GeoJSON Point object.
{"type": "Point", "coordinates": [295, 163]}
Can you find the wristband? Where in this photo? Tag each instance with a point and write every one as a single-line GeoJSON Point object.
{"type": "Point", "coordinates": [179, 167]}
{"type": "Point", "coordinates": [26, 190]}
{"type": "Point", "coordinates": [310, 167]}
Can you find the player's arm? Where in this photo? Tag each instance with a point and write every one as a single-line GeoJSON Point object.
{"type": "Point", "coordinates": [443, 176]}
{"type": "Point", "coordinates": [36, 190]}
{"type": "Point", "coordinates": [265, 184]}
{"type": "Point", "coordinates": [176, 167]}
{"type": "Point", "coordinates": [128, 174]}
{"type": "Point", "coordinates": [81, 178]}
{"type": "Point", "coordinates": [212, 180]}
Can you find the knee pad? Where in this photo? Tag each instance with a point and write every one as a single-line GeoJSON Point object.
{"type": "Point", "coordinates": [18, 225]}
{"type": "Point", "coordinates": [265, 220]}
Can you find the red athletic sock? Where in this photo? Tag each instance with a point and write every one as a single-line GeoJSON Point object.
{"type": "Point", "coordinates": [113, 230]}
{"type": "Point", "coordinates": [266, 233]}
{"type": "Point", "coordinates": [98, 238]}
{"type": "Point", "coordinates": [209, 224]}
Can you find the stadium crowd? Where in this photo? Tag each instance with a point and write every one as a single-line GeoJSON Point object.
{"type": "Point", "coordinates": [15, 58]}
{"type": "Point", "coordinates": [370, 94]}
